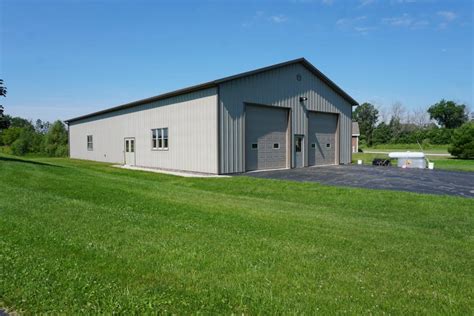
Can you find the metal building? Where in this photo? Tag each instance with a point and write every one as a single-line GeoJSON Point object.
{"type": "Point", "coordinates": [288, 115]}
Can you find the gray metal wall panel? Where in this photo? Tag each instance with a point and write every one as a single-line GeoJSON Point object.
{"type": "Point", "coordinates": [277, 87]}
{"type": "Point", "coordinates": [191, 120]}
{"type": "Point", "coordinates": [265, 126]}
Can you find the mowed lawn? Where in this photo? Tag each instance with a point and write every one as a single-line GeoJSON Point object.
{"type": "Point", "coordinates": [442, 163]}
{"type": "Point", "coordinates": [83, 237]}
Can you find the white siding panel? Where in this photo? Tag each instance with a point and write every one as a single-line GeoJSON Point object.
{"type": "Point", "coordinates": [192, 122]}
{"type": "Point", "coordinates": [277, 87]}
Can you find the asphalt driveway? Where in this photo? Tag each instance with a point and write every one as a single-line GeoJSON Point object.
{"type": "Point", "coordinates": [385, 178]}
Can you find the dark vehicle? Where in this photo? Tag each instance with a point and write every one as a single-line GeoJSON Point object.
{"type": "Point", "coordinates": [381, 162]}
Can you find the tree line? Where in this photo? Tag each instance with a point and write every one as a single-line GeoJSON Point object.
{"type": "Point", "coordinates": [22, 137]}
{"type": "Point", "coordinates": [443, 123]}
{"type": "Point", "coordinates": [19, 136]}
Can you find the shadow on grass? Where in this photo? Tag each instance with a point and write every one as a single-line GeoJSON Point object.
{"type": "Point", "coordinates": [11, 159]}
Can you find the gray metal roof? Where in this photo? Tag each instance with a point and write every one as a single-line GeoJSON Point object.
{"type": "Point", "coordinates": [214, 83]}
{"type": "Point", "coordinates": [355, 129]}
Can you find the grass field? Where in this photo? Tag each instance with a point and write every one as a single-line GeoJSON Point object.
{"type": "Point", "coordinates": [433, 149]}
{"type": "Point", "coordinates": [83, 237]}
{"type": "Point", "coordinates": [443, 163]}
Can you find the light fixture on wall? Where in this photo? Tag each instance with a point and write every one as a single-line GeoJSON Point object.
{"type": "Point", "coordinates": [302, 99]}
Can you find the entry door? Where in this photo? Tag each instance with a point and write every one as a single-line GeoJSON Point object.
{"type": "Point", "coordinates": [299, 151]}
{"type": "Point", "coordinates": [129, 151]}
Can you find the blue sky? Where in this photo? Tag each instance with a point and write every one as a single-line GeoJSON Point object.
{"type": "Point", "coordinates": [61, 59]}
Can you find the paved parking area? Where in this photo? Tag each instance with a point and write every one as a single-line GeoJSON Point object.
{"type": "Point", "coordinates": [385, 178]}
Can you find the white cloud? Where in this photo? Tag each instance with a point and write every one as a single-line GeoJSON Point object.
{"type": "Point", "coordinates": [364, 30]}
{"type": "Point", "coordinates": [355, 24]}
{"type": "Point", "coordinates": [420, 24]}
{"type": "Point", "coordinates": [280, 18]}
{"type": "Point", "coordinates": [363, 3]}
{"type": "Point", "coordinates": [350, 21]}
{"type": "Point", "coordinates": [404, 20]}
{"type": "Point", "coordinates": [447, 15]}
{"type": "Point", "coordinates": [261, 16]}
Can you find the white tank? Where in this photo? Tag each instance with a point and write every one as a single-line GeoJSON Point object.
{"type": "Point", "coordinates": [406, 154]}
{"type": "Point", "coordinates": [409, 159]}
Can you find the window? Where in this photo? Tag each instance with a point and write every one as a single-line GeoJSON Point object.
{"type": "Point", "coordinates": [90, 145]}
{"type": "Point", "coordinates": [298, 144]}
{"type": "Point", "coordinates": [313, 145]}
{"type": "Point", "coordinates": [254, 146]}
{"type": "Point", "coordinates": [276, 146]}
{"type": "Point", "coordinates": [328, 145]}
{"type": "Point", "coordinates": [159, 138]}
{"type": "Point", "coordinates": [165, 138]}
{"type": "Point", "coordinates": [154, 139]}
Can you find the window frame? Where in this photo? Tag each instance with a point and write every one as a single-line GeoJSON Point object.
{"type": "Point", "coordinates": [277, 146]}
{"type": "Point", "coordinates": [158, 140]}
{"type": "Point", "coordinates": [90, 144]}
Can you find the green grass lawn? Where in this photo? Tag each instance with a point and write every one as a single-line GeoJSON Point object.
{"type": "Point", "coordinates": [432, 149]}
{"type": "Point", "coordinates": [443, 163]}
{"type": "Point", "coordinates": [84, 237]}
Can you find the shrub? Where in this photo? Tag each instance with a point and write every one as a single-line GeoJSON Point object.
{"type": "Point", "coordinates": [10, 135]}
{"type": "Point", "coordinates": [56, 140]}
{"type": "Point", "coordinates": [62, 151]}
{"type": "Point", "coordinates": [462, 144]}
{"type": "Point", "coordinates": [20, 147]}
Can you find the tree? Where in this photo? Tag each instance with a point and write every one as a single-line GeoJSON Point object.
{"type": "Point", "coordinates": [397, 120]}
{"type": "Point", "coordinates": [56, 140]}
{"type": "Point", "coordinates": [10, 135]}
{"type": "Point", "coordinates": [42, 127]}
{"type": "Point", "coordinates": [382, 134]}
{"type": "Point", "coordinates": [462, 144]}
{"type": "Point", "coordinates": [21, 122]}
{"type": "Point", "coordinates": [4, 123]}
{"type": "Point", "coordinates": [366, 115]}
{"type": "Point", "coordinates": [420, 117]}
{"type": "Point", "coordinates": [4, 119]}
{"type": "Point", "coordinates": [448, 114]}
{"type": "Point", "coordinates": [3, 89]}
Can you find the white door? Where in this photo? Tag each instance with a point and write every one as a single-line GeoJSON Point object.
{"type": "Point", "coordinates": [129, 151]}
{"type": "Point", "coordinates": [299, 151]}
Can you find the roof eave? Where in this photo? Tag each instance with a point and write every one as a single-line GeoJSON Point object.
{"type": "Point", "coordinates": [144, 101]}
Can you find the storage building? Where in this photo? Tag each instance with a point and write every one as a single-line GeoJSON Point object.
{"type": "Point", "coordinates": [288, 115]}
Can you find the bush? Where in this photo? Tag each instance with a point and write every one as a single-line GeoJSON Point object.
{"type": "Point", "coordinates": [62, 151]}
{"type": "Point", "coordinates": [10, 135]}
{"type": "Point", "coordinates": [28, 141]}
{"type": "Point", "coordinates": [22, 138]}
{"type": "Point", "coordinates": [462, 145]}
{"type": "Point", "coordinates": [20, 147]}
{"type": "Point", "coordinates": [55, 142]}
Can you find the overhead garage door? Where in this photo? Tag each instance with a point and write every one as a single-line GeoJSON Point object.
{"type": "Point", "coordinates": [265, 137]}
{"type": "Point", "coordinates": [322, 130]}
